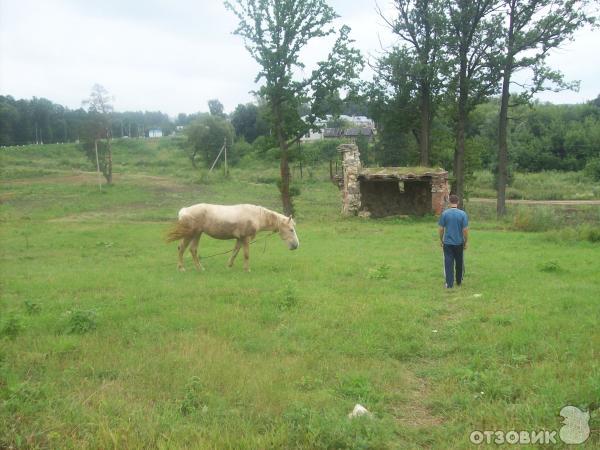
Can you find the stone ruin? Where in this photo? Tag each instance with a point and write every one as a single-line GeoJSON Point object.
{"type": "Point", "coordinates": [388, 191]}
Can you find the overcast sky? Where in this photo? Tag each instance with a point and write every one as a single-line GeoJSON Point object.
{"type": "Point", "coordinates": [175, 55]}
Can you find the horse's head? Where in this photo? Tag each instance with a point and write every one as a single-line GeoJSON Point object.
{"type": "Point", "coordinates": [287, 232]}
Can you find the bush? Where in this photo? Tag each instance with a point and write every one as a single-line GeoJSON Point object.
{"type": "Point", "coordinates": [192, 399]}
{"type": "Point", "coordinates": [592, 169]}
{"type": "Point", "coordinates": [80, 321]}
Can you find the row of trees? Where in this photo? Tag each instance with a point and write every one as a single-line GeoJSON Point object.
{"type": "Point", "coordinates": [39, 120]}
{"type": "Point", "coordinates": [452, 55]}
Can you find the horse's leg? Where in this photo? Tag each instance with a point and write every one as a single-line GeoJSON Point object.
{"type": "Point", "coordinates": [246, 253]}
{"type": "Point", "coordinates": [194, 251]}
{"type": "Point", "coordinates": [181, 247]}
{"type": "Point", "coordinates": [236, 249]}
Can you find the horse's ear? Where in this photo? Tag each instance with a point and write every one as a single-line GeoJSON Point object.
{"type": "Point", "coordinates": [290, 218]}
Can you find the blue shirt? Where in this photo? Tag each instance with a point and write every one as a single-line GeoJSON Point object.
{"type": "Point", "coordinates": [454, 221]}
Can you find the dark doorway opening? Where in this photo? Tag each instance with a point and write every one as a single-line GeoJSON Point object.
{"type": "Point", "coordinates": [395, 197]}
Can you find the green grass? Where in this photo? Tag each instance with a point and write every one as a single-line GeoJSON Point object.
{"type": "Point", "coordinates": [550, 185]}
{"type": "Point", "coordinates": [103, 344]}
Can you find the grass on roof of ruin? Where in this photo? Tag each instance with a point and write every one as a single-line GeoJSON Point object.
{"type": "Point", "coordinates": [401, 171]}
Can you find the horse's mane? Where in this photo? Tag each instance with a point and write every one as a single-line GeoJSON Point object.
{"type": "Point", "coordinates": [272, 218]}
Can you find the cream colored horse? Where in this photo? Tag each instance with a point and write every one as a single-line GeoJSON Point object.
{"type": "Point", "coordinates": [240, 222]}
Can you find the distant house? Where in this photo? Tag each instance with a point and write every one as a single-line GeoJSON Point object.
{"type": "Point", "coordinates": [351, 133]}
{"type": "Point", "coordinates": [155, 133]}
{"type": "Point", "coordinates": [361, 126]}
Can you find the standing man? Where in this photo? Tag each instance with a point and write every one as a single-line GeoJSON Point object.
{"type": "Point", "coordinates": [454, 234]}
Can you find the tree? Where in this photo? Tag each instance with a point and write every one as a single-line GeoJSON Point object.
{"type": "Point", "coordinates": [473, 46]}
{"type": "Point", "coordinates": [532, 29]}
{"type": "Point", "coordinates": [392, 106]}
{"type": "Point", "coordinates": [216, 108]}
{"type": "Point", "coordinates": [98, 127]}
{"type": "Point", "coordinates": [206, 136]}
{"type": "Point", "coordinates": [275, 32]}
{"type": "Point", "coordinates": [420, 24]}
{"type": "Point", "coordinates": [248, 121]}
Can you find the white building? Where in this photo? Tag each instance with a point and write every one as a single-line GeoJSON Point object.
{"type": "Point", "coordinates": [155, 133]}
{"type": "Point", "coordinates": [355, 121]}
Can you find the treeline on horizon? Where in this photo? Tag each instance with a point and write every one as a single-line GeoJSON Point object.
{"type": "Point", "coordinates": [543, 136]}
{"type": "Point", "coordinates": [40, 121]}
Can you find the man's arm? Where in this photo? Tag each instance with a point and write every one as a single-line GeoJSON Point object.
{"type": "Point", "coordinates": [465, 237]}
{"type": "Point", "coordinates": [441, 233]}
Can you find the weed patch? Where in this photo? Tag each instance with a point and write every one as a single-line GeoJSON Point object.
{"type": "Point", "coordinates": [81, 321]}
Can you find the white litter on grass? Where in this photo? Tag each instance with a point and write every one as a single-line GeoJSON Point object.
{"type": "Point", "coordinates": [434, 331]}
{"type": "Point", "coordinates": [477, 295]}
{"type": "Point", "coordinates": [359, 410]}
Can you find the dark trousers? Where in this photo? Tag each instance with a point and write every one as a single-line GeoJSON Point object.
{"type": "Point", "coordinates": [453, 256]}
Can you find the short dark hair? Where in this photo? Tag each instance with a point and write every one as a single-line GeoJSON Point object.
{"type": "Point", "coordinates": [453, 199]}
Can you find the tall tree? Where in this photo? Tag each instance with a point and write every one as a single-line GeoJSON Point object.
{"type": "Point", "coordinates": [473, 45]}
{"type": "Point", "coordinates": [420, 24]}
{"type": "Point", "coordinates": [532, 29]}
{"type": "Point", "coordinates": [248, 121]}
{"type": "Point", "coordinates": [99, 127]}
{"type": "Point", "coordinates": [275, 32]}
{"type": "Point", "coordinates": [216, 108]}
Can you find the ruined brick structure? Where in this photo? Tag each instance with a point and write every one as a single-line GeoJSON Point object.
{"type": "Point", "coordinates": [386, 191]}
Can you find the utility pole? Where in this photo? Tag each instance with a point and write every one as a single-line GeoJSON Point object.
{"type": "Point", "coordinates": [225, 147]}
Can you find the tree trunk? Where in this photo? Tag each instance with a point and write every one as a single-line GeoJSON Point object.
{"type": "Point", "coordinates": [284, 167]}
{"type": "Point", "coordinates": [503, 121]}
{"type": "Point", "coordinates": [286, 199]}
{"type": "Point", "coordinates": [503, 145]}
{"type": "Point", "coordinates": [97, 163]}
{"type": "Point", "coordinates": [424, 132]}
{"type": "Point", "coordinates": [459, 151]}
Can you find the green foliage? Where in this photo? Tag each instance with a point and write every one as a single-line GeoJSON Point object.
{"type": "Point", "coordinates": [32, 308]}
{"type": "Point", "coordinates": [80, 321]}
{"type": "Point", "coordinates": [592, 169]}
{"type": "Point", "coordinates": [11, 327]}
{"type": "Point", "coordinates": [536, 219]}
{"type": "Point", "coordinates": [205, 138]}
{"type": "Point", "coordinates": [550, 267]}
{"type": "Point", "coordinates": [249, 121]}
{"type": "Point", "coordinates": [584, 232]}
{"type": "Point", "coordinates": [379, 272]}
{"type": "Point", "coordinates": [288, 296]}
{"type": "Point", "coordinates": [193, 397]}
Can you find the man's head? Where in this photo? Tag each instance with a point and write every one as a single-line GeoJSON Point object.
{"type": "Point", "coordinates": [453, 199]}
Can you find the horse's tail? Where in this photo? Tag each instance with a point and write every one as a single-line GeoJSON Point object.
{"type": "Point", "coordinates": [181, 229]}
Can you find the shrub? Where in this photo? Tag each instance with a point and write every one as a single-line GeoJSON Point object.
{"type": "Point", "coordinates": [80, 321]}
{"type": "Point", "coordinates": [191, 401]}
{"type": "Point", "coordinates": [592, 169]}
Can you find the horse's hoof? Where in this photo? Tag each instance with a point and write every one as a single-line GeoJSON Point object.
{"type": "Point", "coordinates": [181, 269]}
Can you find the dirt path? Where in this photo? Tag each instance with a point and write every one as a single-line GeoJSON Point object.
{"type": "Point", "coordinates": [539, 202]}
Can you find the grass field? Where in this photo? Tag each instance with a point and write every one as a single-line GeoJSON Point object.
{"type": "Point", "coordinates": [104, 344]}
